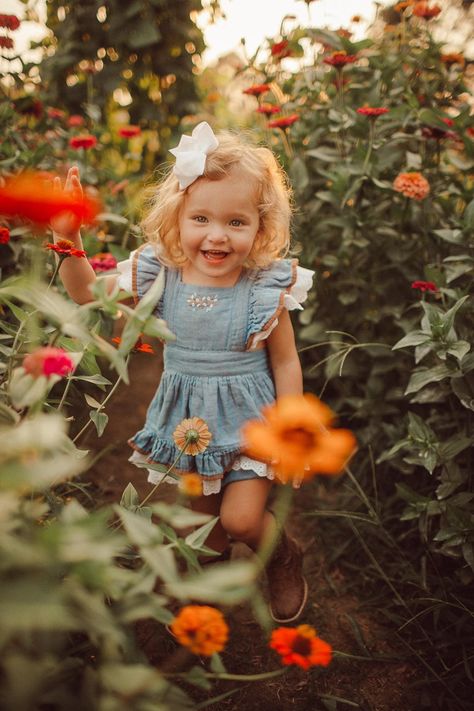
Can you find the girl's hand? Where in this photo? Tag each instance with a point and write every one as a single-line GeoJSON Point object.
{"type": "Point", "coordinates": [67, 225]}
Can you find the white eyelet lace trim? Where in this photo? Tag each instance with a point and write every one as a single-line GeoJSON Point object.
{"type": "Point", "coordinates": [209, 487]}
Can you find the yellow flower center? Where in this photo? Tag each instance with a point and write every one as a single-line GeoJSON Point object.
{"type": "Point", "coordinates": [192, 436]}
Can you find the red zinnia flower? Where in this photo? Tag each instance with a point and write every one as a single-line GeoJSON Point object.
{"type": "Point", "coordinates": [422, 9]}
{"type": "Point", "coordinates": [283, 122]}
{"type": "Point", "coordinates": [372, 111]}
{"type": "Point", "coordinates": [32, 195]}
{"type": "Point", "coordinates": [4, 235]}
{"type": "Point", "coordinates": [76, 120]}
{"type": "Point", "coordinates": [66, 248]}
{"type": "Point", "coordinates": [257, 89]}
{"type": "Point", "coordinates": [301, 646]}
{"type": "Point", "coordinates": [6, 43]}
{"type": "Point", "coordinates": [139, 345]}
{"type": "Point", "coordinates": [340, 59]}
{"type": "Point", "coordinates": [11, 22]}
{"type": "Point", "coordinates": [86, 140]}
{"type": "Point", "coordinates": [103, 262]}
{"type": "Point", "coordinates": [129, 131]}
{"type": "Point", "coordinates": [280, 50]}
{"type": "Point", "coordinates": [424, 285]}
{"type": "Point", "coordinates": [268, 109]}
{"type": "Point", "coordinates": [48, 361]}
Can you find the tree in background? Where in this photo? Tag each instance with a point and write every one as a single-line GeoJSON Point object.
{"type": "Point", "coordinates": [142, 55]}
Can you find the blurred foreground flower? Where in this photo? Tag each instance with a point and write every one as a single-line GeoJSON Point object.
{"type": "Point", "coordinates": [301, 646]}
{"type": "Point", "coordinates": [412, 185]}
{"type": "Point", "coordinates": [296, 438]}
{"type": "Point", "coordinates": [32, 195]}
{"type": "Point", "coordinates": [268, 109]}
{"type": "Point", "coordinates": [75, 120]}
{"type": "Point", "coordinates": [103, 262]}
{"type": "Point", "coordinates": [4, 235]}
{"type": "Point", "coordinates": [48, 361]}
{"type": "Point", "coordinates": [65, 248]}
{"type": "Point", "coordinates": [201, 628]}
{"type": "Point", "coordinates": [192, 435]}
{"type": "Point", "coordinates": [190, 484]}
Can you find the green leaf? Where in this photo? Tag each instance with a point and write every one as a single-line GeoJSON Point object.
{"type": "Point", "coordinates": [415, 338]}
{"type": "Point", "coordinates": [228, 583]}
{"type": "Point", "coordinates": [422, 376]}
{"type": "Point", "coordinates": [100, 420]}
{"type": "Point", "coordinates": [130, 498]}
{"type": "Point", "coordinates": [299, 174]}
{"type": "Point", "coordinates": [161, 560]}
{"type": "Point", "coordinates": [197, 538]}
{"type": "Point", "coordinates": [143, 34]}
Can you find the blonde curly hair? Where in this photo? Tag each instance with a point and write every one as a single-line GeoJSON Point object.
{"type": "Point", "coordinates": [234, 154]}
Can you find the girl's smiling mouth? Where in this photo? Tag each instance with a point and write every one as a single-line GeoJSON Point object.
{"type": "Point", "coordinates": [214, 255]}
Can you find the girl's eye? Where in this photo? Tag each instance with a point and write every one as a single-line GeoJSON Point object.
{"type": "Point", "coordinates": [200, 218]}
{"type": "Point", "coordinates": [236, 223]}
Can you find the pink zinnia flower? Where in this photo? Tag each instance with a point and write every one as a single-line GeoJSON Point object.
{"type": "Point", "coordinates": [103, 262]}
{"type": "Point", "coordinates": [48, 361]}
{"type": "Point", "coordinates": [412, 185]}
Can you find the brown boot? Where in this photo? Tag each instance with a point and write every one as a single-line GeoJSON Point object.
{"type": "Point", "coordinates": [287, 586]}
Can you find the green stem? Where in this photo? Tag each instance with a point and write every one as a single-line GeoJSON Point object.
{"type": "Point", "coordinates": [65, 392]}
{"type": "Point", "coordinates": [150, 493]}
{"type": "Point", "coordinates": [55, 274]}
{"type": "Point", "coordinates": [370, 146]}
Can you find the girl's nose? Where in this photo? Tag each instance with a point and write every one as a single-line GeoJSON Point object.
{"type": "Point", "coordinates": [217, 233]}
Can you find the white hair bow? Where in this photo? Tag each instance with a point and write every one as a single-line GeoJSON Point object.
{"type": "Point", "coordinates": [191, 153]}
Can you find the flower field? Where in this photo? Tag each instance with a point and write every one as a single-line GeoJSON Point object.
{"type": "Point", "coordinates": [110, 602]}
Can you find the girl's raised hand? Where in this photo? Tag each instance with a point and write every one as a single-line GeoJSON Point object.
{"type": "Point", "coordinates": [66, 224]}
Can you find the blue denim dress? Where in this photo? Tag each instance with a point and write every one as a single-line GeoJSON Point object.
{"type": "Point", "coordinates": [210, 370]}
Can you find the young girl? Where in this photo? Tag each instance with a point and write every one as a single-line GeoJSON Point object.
{"type": "Point", "coordinates": [218, 228]}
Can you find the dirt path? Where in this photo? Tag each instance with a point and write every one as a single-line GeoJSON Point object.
{"type": "Point", "coordinates": [337, 615]}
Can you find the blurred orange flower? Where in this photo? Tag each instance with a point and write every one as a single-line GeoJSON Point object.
{"type": "Point", "coordinates": [32, 195]}
{"type": "Point", "coordinates": [296, 438]}
{"type": "Point", "coordinates": [257, 89]}
{"type": "Point", "coordinates": [192, 435]}
{"type": "Point", "coordinates": [190, 484]}
{"type": "Point", "coordinates": [138, 347]}
{"type": "Point", "coordinates": [340, 58]}
{"type": "Point", "coordinates": [201, 628]}
{"type": "Point", "coordinates": [426, 11]}
{"type": "Point", "coordinates": [283, 122]}
{"type": "Point", "coordinates": [453, 58]}
{"type": "Point", "coordinates": [412, 185]}
{"type": "Point", "coordinates": [300, 646]}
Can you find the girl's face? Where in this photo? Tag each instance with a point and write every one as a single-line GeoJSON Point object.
{"type": "Point", "coordinates": [218, 224]}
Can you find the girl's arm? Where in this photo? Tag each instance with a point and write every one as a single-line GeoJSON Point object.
{"type": "Point", "coordinates": [76, 273]}
{"type": "Point", "coordinates": [284, 360]}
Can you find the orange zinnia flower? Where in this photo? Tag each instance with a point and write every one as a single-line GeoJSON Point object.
{"type": "Point", "coordinates": [192, 436]}
{"type": "Point", "coordinates": [301, 646]}
{"type": "Point", "coordinates": [283, 122]}
{"type": "Point", "coordinates": [138, 347]}
{"type": "Point", "coordinates": [268, 109]}
{"type": "Point", "coordinates": [412, 185]}
{"type": "Point", "coordinates": [32, 195]}
{"type": "Point", "coordinates": [372, 111]}
{"type": "Point", "coordinates": [201, 628]}
{"type": "Point", "coordinates": [190, 484]}
{"type": "Point", "coordinates": [296, 438]}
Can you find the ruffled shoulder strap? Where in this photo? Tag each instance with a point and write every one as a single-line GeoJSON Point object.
{"type": "Point", "coordinates": [267, 298]}
{"type": "Point", "coordinates": [139, 271]}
